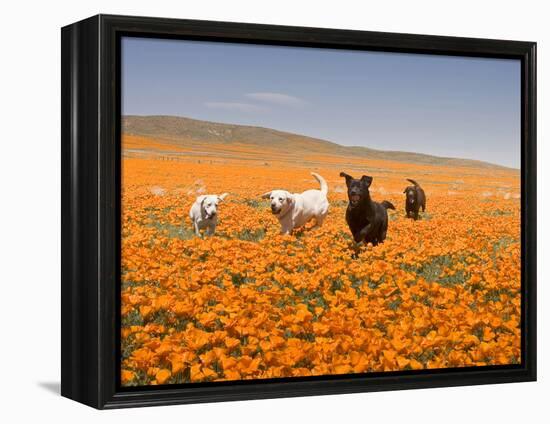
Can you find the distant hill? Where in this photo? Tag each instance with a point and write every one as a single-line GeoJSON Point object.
{"type": "Point", "coordinates": [180, 130]}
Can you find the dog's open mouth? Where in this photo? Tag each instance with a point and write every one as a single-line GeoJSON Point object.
{"type": "Point", "coordinates": [275, 211]}
{"type": "Point", "coordinates": [354, 199]}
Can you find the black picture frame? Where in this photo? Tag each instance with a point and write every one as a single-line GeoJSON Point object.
{"type": "Point", "coordinates": [90, 179]}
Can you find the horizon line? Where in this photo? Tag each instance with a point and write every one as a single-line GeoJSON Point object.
{"type": "Point", "coordinates": [327, 140]}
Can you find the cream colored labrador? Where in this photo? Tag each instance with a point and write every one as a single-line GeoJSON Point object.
{"type": "Point", "coordinates": [204, 213]}
{"type": "Point", "coordinates": [295, 209]}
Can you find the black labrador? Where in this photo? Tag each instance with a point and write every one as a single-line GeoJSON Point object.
{"type": "Point", "coordinates": [367, 220]}
{"type": "Point", "coordinates": [415, 198]}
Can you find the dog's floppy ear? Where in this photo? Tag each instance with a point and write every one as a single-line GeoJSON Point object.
{"type": "Point", "coordinates": [221, 197]}
{"type": "Point", "coordinates": [347, 177]}
{"type": "Point", "coordinates": [201, 199]}
{"type": "Point", "coordinates": [367, 180]}
{"type": "Point", "coordinates": [266, 195]}
{"type": "Point", "coordinates": [290, 198]}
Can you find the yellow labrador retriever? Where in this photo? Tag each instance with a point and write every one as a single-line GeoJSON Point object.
{"type": "Point", "coordinates": [204, 213]}
{"type": "Point", "coordinates": [295, 209]}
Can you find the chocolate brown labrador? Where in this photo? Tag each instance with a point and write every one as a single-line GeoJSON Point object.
{"type": "Point", "coordinates": [415, 198]}
{"type": "Point", "coordinates": [367, 220]}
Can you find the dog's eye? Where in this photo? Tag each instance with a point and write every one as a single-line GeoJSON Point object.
{"type": "Point", "coordinates": [280, 199]}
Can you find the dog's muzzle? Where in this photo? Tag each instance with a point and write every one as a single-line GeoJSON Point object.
{"type": "Point", "coordinates": [354, 199]}
{"type": "Point", "coordinates": [275, 210]}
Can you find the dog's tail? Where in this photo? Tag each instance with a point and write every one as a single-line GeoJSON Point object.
{"type": "Point", "coordinates": [413, 182]}
{"type": "Point", "coordinates": [387, 205]}
{"type": "Point", "coordinates": [324, 185]}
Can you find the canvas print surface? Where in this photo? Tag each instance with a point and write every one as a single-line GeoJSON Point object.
{"type": "Point", "coordinates": [293, 212]}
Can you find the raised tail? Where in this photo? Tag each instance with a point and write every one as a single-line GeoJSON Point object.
{"type": "Point", "coordinates": [324, 185]}
{"type": "Point", "coordinates": [387, 205]}
{"type": "Point", "coordinates": [413, 182]}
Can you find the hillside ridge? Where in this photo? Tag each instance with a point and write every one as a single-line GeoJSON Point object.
{"type": "Point", "coordinates": [180, 130]}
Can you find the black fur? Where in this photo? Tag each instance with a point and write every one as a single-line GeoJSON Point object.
{"type": "Point", "coordinates": [415, 198]}
{"type": "Point", "coordinates": [367, 220]}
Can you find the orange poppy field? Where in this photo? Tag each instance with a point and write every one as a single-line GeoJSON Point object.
{"type": "Point", "coordinates": [249, 303]}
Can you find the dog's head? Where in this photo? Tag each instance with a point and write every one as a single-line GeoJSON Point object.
{"type": "Point", "coordinates": [410, 194]}
{"type": "Point", "coordinates": [358, 189]}
{"type": "Point", "coordinates": [209, 204]}
{"type": "Point", "coordinates": [281, 201]}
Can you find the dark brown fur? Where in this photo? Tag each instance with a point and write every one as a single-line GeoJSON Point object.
{"type": "Point", "coordinates": [367, 220]}
{"type": "Point", "coordinates": [415, 198]}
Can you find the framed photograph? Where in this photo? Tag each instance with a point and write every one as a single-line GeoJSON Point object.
{"type": "Point", "coordinates": [254, 211]}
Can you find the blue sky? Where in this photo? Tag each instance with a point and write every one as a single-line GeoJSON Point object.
{"type": "Point", "coordinates": [439, 105]}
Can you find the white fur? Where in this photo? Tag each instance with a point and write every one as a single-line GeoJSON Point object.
{"type": "Point", "coordinates": [295, 209]}
{"type": "Point", "coordinates": [204, 213]}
